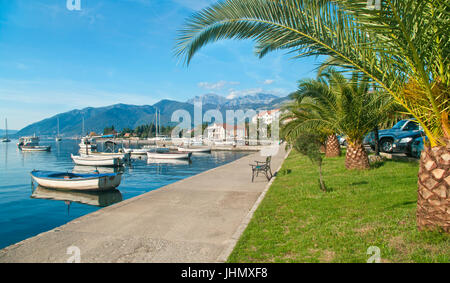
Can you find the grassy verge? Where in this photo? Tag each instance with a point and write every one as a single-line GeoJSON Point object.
{"type": "Point", "coordinates": [296, 222]}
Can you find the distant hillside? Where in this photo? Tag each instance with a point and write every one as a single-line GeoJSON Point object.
{"type": "Point", "coordinates": [214, 99]}
{"type": "Point", "coordinates": [130, 116]}
{"type": "Point", "coordinates": [10, 132]}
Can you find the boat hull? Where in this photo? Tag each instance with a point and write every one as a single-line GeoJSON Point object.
{"type": "Point", "coordinates": [195, 150]}
{"type": "Point", "coordinates": [169, 155]}
{"type": "Point", "coordinates": [123, 156]}
{"type": "Point", "coordinates": [168, 161]}
{"type": "Point", "coordinates": [97, 161]}
{"type": "Point", "coordinates": [79, 182]}
{"type": "Point", "coordinates": [35, 148]}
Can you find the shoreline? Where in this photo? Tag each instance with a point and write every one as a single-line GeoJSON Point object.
{"type": "Point", "coordinates": [128, 211]}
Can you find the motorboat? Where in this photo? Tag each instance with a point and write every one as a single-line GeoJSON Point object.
{"type": "Point", "coordinates": [31, 144]}
{"type": "Point", "coordinates": [76, 182]}
{"type": "Point", "coordinates": [87, 145]}
{"type": "Point", "coordinates": [28, 141]}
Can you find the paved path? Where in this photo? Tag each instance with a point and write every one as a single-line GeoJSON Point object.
{"type": "Point", "coordinates": [193, 220]}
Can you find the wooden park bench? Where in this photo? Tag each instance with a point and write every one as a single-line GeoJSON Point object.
{"type": "Point", "coordinates": [262, 167]}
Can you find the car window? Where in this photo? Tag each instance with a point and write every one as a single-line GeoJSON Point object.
{"type": "Point", "coordinates": [411, 126]}
{"type": "Point", "coordinates": [400, 124]}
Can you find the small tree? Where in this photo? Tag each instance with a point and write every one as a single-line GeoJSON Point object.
{"type": "Point", "coordinates": [309, 145]}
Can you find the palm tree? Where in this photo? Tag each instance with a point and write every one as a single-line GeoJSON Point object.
{"type": "Point", "coordinates": [334, 104]}
{"type": "Point", "coordinates": [331, 146]}
{"type": "Point", "coordinates": [403, 47]}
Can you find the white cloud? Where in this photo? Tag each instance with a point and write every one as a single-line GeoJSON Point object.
{"type": "Point", "coordinates": [236, 93]}
{"type": "Point", "coordinates": [252, 91]}
{"type": "Point", "coordinates": [268, 82]}
{"type": "Point", "coordinates": [216, 86]}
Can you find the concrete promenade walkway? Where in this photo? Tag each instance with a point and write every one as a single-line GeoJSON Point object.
{"type": "Point", "coordinates": [193, 220]}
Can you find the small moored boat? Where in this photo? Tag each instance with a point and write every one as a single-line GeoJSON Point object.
{"type": "Point", "coordinates": [35, 148]}
{"type": "Point", "coordinates": [123, 156]}
{"type": "Point", "coordinates": [168, 161]}
{"type": "Point", "coordinates": [76, 182]}
{"type": "Point", "coordinates": [90, 160]}
{"type": "Point", "coordinates": [195, 149]}
{"type": "Point", "coordinates": [169, 155]}
{"type": "Point", "coordinates": [31, 144]}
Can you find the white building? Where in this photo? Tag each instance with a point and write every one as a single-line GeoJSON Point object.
{"type": "Point", "coordinates": [267, 117]}
{"type": "Point", "coordinates": [220, 132]}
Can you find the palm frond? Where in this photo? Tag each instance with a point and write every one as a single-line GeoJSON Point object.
{"type": "Point", "coordinates": [405, 41]}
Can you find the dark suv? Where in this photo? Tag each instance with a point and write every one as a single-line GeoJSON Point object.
{"type": "Point", "coordinates": [398, 139]}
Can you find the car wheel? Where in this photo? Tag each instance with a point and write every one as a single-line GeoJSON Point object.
{"type": "Point", "coordinates": [386, 145]}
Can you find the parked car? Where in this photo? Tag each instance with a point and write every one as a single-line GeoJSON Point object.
{"type": "Point", "coordinates": [342, 140]}
{"type": "Point", "coordinates": [398, 139]}
{"type": "Point", "coordinates": [417, 146]}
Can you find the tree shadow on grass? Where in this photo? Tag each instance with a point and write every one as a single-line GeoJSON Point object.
{"type": "Point", "coordinates": [283, 172]}
{"type": "Point", "coordinates": [377, 164]}
{"type": "Point", "coordinates": [405, 203]}
{"type": "Point", "coordinates": [359, 183]}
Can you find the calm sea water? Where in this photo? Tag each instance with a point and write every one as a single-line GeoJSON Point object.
{"type": "Point", "coordinates": [23, 216]}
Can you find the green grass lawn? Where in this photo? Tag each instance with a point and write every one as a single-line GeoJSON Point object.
{"type": "Point", "coordinates": [296, 222]}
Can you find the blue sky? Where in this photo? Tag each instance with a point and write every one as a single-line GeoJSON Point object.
{"type": "Point", "coordinates": [53, 60]}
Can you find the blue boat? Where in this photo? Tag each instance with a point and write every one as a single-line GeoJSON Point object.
{"type": "Point", "coordinates": [76, 182]}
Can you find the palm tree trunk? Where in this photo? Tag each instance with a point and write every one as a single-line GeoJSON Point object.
{"type": "Point", "coordinates": [377, 141]}
{"type": "Point", "coordinates": [321, 182]}
{"type": "Point", "coordinates": [433, 204]}
{"type": "Point", "coordinates": [333, 148]}
{"type": "Point", "coordinates": [356, 157]}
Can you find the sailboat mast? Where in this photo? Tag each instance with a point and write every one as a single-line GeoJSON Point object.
{"type": "Point", "coordinates": [156, 126]}
{"type": "Point", "coordinates": [6, 127]}
{"type": "Point", "coordinates": [82, 128]}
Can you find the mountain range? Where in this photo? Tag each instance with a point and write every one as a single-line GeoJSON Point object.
{"type": "Point", "coordinates": [10, 132]}
{"type": "Point", "coordinates": [130, 116]}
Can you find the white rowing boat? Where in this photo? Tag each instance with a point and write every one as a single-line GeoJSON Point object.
{"type": "Point", "coordinates": [78, 169]}
{"type": "Point", "coordinates": [123, 156]}
{"type": "Point", "coordinates": [35, 148]}
{"type": "Point", "coordinates": [90, 160]}
{"type": "Point", "coordinates": [195, 149]}
{"type": "Point", "coordinates": [169, 155]}
{"type": "Point", "coordinates": [76, 182]}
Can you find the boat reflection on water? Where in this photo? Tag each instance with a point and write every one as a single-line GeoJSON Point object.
{"type": "Point", "coordinates": [92, 169]}
{"type": "Point", "coordinates": [97, 198]}
{"type": "Point", "coordinates": [169, 161]}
